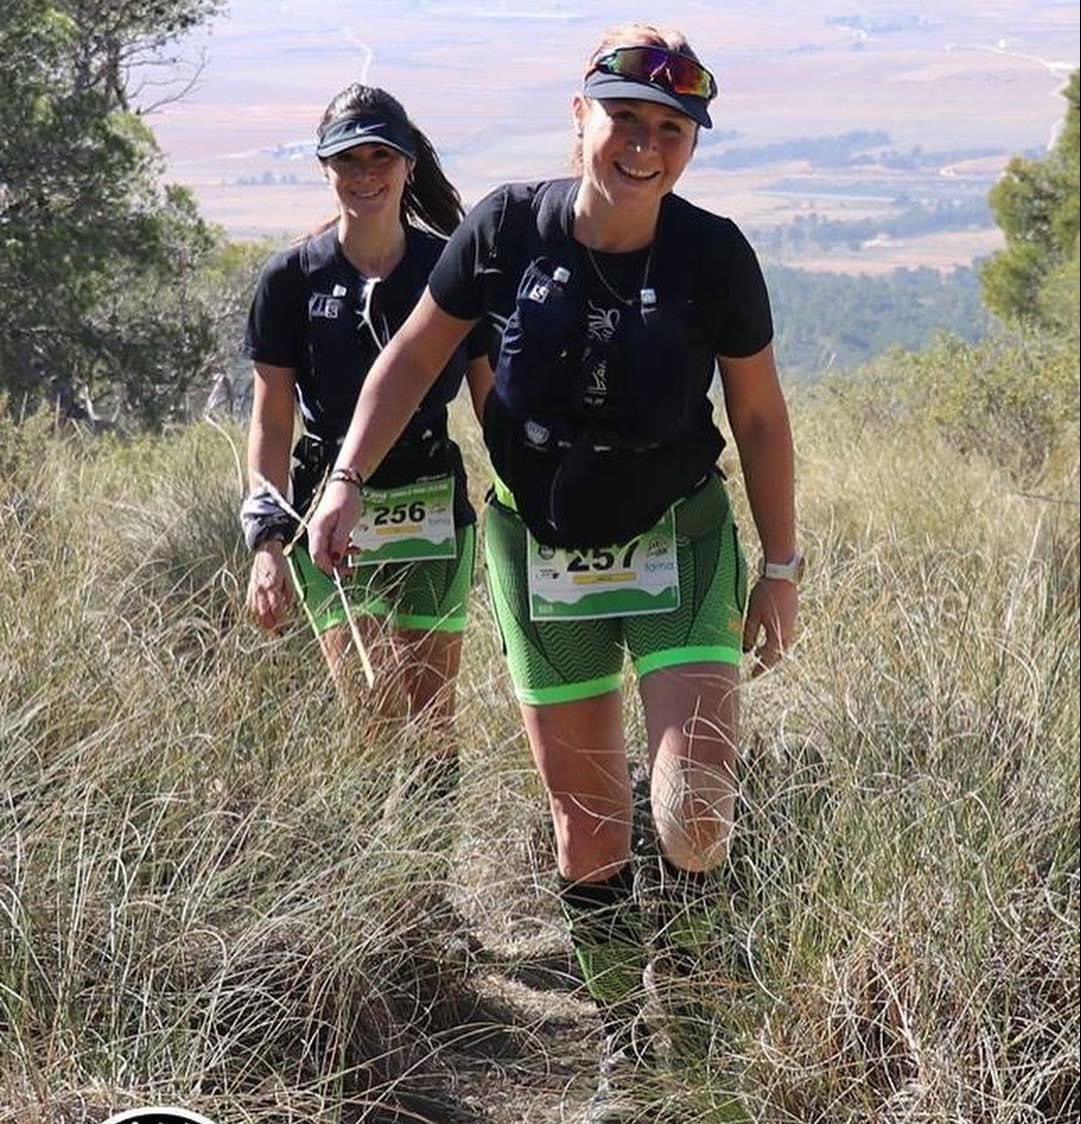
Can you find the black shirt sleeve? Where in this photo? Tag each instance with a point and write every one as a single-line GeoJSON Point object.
{"type": "Point", "coordinates": [744, 317]}
{"type": "Point", "coordinates": [275, 332]}
{"type": "Point", "coordinates": [456, 281]}
{"type": "Point", "coordinates": [477, 342]}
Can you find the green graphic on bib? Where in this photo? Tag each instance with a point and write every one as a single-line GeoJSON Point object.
{"type": "Point", "coordinates": [640, 576]}
{"type": "Point", "coordinates": [412, 523]}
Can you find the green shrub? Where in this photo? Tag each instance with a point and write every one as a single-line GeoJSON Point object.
{"type": "Point", "coordinates": [1012, 399]}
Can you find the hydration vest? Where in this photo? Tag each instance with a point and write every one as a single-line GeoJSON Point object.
{"type": "Point", "coordinates": [337, 340]}
{"type": "Point", "coordinates": [586, 473]}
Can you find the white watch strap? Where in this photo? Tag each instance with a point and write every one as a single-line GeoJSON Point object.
{"type": "Point", "coordinates": [790, 571]}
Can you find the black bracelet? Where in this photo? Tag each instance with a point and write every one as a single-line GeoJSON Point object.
{"type": "Point", "coordinates": [347, 475]}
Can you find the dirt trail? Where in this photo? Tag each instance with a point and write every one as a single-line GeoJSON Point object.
{"type": "Point", "coordinates": [529, 1054]}
{"type": "Point", "coordinates": [533, 1057]}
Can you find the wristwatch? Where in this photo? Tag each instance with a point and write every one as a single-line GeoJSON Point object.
{"type": "Point", "coordinates": [790, 571]}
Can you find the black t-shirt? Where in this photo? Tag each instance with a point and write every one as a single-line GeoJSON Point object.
{"type": "Point", "coordinates": [469, 281]}
{"type": "Point", "coordinates": [314, 312]}
{"type": "Point", "coordinates": [586, 362]}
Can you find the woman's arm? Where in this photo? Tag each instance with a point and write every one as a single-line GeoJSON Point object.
{"type": "Point", "coordinates": [270, 435]}
{"type": "Point", "coordinates": [392, 391]}
{"type": "Point", "coordinates": [270, 440]}
{"type": "Point", "coordinates": [759, 420]}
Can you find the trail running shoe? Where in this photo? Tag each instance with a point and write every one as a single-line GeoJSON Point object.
{"type": "Point", "coordinates": [677, 1009]}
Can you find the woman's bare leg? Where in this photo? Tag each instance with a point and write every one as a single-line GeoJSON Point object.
{"type": "Point", "coordinates": [692, 721]}
{"type": "Point", "coordinates": [579, 751]}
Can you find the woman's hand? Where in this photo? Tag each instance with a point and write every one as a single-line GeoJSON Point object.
{"type": "Point", "coordinates": [270, 587]}
{"type": "Point", "coordinates": [340, 507]}
{"type": "Point", "coordinates": [770, 625]}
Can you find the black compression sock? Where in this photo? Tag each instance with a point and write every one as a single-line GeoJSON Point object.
{"type": "Point", "coordinates": [435, 779]}
{"type": "Point", "coordinates": [607, 935]}
{"type": "Point", "coordinates": [686, 905]}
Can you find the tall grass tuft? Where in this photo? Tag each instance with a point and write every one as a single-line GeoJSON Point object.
{"type": "Point", "coordinates": [202, 898]}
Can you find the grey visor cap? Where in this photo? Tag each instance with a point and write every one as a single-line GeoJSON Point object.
{"type": "Point", "coordinates": [348, 132]}
{"type": "Point", "coordinates": [601, 86]}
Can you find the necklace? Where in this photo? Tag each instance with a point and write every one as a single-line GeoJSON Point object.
{"type": "Point", "coordinates": [628, 302]}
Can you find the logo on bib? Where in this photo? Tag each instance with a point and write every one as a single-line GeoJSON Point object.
{"type": "Point", "coordinates": [325, 307]}
{"type": "Point", "coordinates": [601, 323]}
{"type": "Point", "coordinates": [595, 367]}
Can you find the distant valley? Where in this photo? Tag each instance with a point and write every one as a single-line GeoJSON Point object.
{"type": "Point", "coordinates": [852, 143]}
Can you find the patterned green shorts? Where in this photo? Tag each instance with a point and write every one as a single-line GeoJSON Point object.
{"type": "Point", "coordinates": [427, 596]}
{"type": "Point", "coordinates": [560, 661]}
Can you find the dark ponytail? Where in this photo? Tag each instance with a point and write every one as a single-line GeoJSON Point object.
{"type": "Point", "coordinates": [429, 196]}
{"type": "Point", "coordinates": [429, 199]}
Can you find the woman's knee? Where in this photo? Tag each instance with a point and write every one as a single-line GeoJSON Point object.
{"type": "Point", "coordinates": [429, 664]}
{"type": "Point", "coordinates": [693, 811]}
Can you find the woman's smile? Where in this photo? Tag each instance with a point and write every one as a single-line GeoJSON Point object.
{"type": "Point", "coordinates": [368, 174]}
{"type": "Point", "coordinates": [639, 174]}
{"type": "Point", "coordinates": [633, 146]}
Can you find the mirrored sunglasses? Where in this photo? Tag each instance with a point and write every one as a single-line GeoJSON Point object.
{"type": "Point", "coordinates": [678, 74]}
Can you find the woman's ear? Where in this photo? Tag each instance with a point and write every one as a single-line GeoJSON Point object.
{"type": "Point", "coordinates": [579, 109]}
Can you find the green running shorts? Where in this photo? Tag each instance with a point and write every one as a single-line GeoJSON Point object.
{"type": "Point", "coordinates": [554, 661]}
{"type": "Point", "coordinates": [428, 596]}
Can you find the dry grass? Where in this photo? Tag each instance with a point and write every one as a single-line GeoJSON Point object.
{"type": "Point", "coordinates": [203, 899]}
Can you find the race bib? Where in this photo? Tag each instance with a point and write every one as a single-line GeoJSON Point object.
{"type": "Point", "coordinates": [412, 523]}
{"type": "Point", "coordinates": [640, 576]}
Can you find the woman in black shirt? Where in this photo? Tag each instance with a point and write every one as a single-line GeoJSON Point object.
{"type": "Point", "coordinates": [610, 530]}
{"type": "Point", "coordinates": [322, 313]}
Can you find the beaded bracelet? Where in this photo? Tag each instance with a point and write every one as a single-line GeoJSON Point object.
{"type": "Point", "coordinates": [347, 475]}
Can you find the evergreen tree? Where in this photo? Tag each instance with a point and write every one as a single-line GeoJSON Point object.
{"type": "Point", "coordinates": [1036, 205]}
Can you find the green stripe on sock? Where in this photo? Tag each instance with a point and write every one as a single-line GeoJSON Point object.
{"type": "Point", "coordinates": [612, 970]}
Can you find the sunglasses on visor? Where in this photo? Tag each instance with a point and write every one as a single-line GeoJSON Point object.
{"type": "Point", "coordinates": [678, 74]}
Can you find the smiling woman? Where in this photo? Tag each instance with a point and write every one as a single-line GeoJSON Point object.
{"type": "Point", "coordinates": [609, 531]}
{"type": "Point", "coordinates": [322, 313]}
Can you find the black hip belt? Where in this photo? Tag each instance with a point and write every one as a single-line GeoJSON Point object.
{"type": "Point", "coordinates": [429, 453]}
{"type": "Point", "coordinates": [588, 494]}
